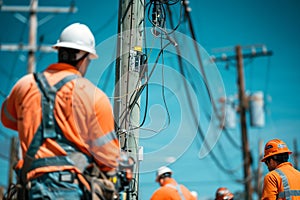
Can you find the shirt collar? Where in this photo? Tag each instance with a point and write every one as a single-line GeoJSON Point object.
{"type": "Point", "coordinates": [169, 181]}
{"type": "Point", "coordinates": [63, 67]}
{"type": "Point", "coordinates": [283, 164]}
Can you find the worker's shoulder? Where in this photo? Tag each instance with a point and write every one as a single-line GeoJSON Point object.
{"type": "Point", "coordinates": [272, 175]}
{"type": "Point", "coordinates": [85, 86]}
{"type": "Point", "coordinates": [164, 190]}
{"type": "Point", "coordinates": [24, 83]}
{"type": "Point", "coordinates": [26, 79]}
{"type": "Point", "coordinates": [287, 167]}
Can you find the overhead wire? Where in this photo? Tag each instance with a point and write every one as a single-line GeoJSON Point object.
{"type": "Point", "coordinates": [200, 131]}
{"type": "Point", "coordinates": [163, 92]}
{"type": "Point", "coordinates": [137, 93]}
{"type": "Point", "coordinates": [190, 103]}
{"type": "Point", "coordinates": [105, 25]}
{"type": "Point", "coordinates": [140, 90]}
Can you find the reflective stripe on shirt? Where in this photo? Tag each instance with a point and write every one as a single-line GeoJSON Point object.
{"type": "Point", "coordinates": [177, 187]}
{"type": "Point", "coordinates": [102, 140]}
{"type": "Point", "coordinates": [287, 193]}
{"type": "Point", "coordinates": [8, 115]}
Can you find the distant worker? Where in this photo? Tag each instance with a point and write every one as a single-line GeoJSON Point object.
{"type": "Point", "coordinates": [195, 194]}
{"type": "Point", "coordinates": [64, 122]}
{"type": "Point", "coordinates": [170, 189]}
{"type": "Point", "coordinates": [283, 180]}
{"type": "Point", "coordinates": [223, 193]}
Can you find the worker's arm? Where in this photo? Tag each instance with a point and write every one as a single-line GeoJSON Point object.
{"type": "Point", "coordinates": [105, 145]}
{"type": "Point", "coordinates": [13, 104]}
{"type": "Point", "coordinates": [270, 188]}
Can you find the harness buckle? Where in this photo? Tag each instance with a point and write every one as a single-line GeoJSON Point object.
{"type": "Point", "coordinates": [66, 176]}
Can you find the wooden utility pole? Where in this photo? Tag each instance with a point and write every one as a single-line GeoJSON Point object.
{"type": "Point", "coordinates": [242, 108]}
{"type": "Point", "coordinates": [127, 83]}
{"type": "Point", "coordinates": [32, 36]}
{"type": "Point", "coordinates": [33, 9]}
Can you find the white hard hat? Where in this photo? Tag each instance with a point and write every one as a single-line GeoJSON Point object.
{"type": "Point", "coordinates": [194, 194]}
{"type": "Point", "coordinates": [77, 36]}
{"type": "Point", "coordinates": [161, 171]}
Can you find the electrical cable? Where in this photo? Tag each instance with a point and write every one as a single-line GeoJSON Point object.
{"type": "Point", "coordinates": [187, 14]}
{"type": "Point", "coordinates": [126, 11]}
{"type": "Point", "coordinates": [145, 73]}
{"type": "Point", "coordinates": [162, 17]}
{"type": "Point", "coordinates": [199, 130]}
{"type": "Point", "coordinates": [105, 25]}
{"type": "Point", "coordinates": [231, 140]}
{"type": "Point", "coordinates": [140, 90]}
{"type": "Point", "coordinates": [163, 93]}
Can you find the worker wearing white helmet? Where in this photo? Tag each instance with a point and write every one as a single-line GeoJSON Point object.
{"type": "Point", "coordinates": [170, 189]}
{"type": "Point", "coordinates": [76, 43]}
{"type": "Point", "coordinates": [59, 114]}
{"type": "Point", "coordinates": [77, 36]}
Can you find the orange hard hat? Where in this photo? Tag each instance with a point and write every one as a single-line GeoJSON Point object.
{"type": "Point", "coordinates": [274, 147]}
{"type": "Point", "coordinates": [223, 194]}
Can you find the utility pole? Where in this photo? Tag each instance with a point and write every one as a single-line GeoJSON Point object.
{"type": "Point", "coordinates": [32, 36]}
{"type": "Point", "coordinates": [33, 9]}
{"type": "Point", "coordinates": [243, 106]}
{"type": "Point", "coordinates": [128, 81]}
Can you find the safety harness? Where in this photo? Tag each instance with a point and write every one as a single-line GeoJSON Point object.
{"type": "Point", "coordinates": [48, 129]}
{"type": "Point", "coordinates": [287, 193]}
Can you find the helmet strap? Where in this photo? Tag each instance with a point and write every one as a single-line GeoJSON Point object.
{"type": "Point", "coordinates": [69, 55]}
{"type": "Point", "coordinates": [82, 57]}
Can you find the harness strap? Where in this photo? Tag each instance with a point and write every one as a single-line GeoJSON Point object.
{"type": "Point", "coordinates": [48, 127]}
{"type": "Point", "coordinates": [287, 193]}
{"type": "Point", "coordinates": [51, 161]}
{"type": "Point", "coordinates": [177, 187]}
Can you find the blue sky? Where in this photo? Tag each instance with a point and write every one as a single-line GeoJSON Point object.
{"type": "Point", "coordinates": [217, 24]}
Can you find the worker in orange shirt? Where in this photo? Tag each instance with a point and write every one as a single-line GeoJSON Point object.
{"type": "Point", "coordinates": [64, 122]}
{"type": "Point", "coordinates": [170, 189]}
{"type": "Point", "coordinates": [223, 193]}
{"type": "Point", "coordinates": [283, 180]}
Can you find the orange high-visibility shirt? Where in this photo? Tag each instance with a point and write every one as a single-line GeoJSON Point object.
{"type": "Point", "coordinates": [273, 183]}
{"type": "Point", "coordinates": [170, 190]}
{"type": "Point", "coordinates": [82, 111]}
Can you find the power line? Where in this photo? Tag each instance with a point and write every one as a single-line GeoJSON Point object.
{"type": "Point", "coordinates": [194, 115]}
{"type": "Point", "coordinates": [31, 48]}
